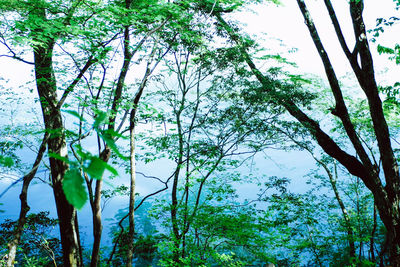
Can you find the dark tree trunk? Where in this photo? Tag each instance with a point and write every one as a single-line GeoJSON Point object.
{"type": "Point", "coordinates": [47, 90]}
{"type": "Point", "coordinates": [360, 59]}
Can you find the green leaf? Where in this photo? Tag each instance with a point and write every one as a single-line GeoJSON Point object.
{"type": "Point", "coordinates": [111, 169]}
{"type": "Point", "coordinates": [75, 114]}
{"type": "Point", "coordinates": [384, 50]}
{"type": "Point", "coordinates": [6, 161]}
{"type": "Point", "coordinates": [73, 188]}
{"type": "Point", "coordinates": [111, 143]}
{"type": "Point", "coordinates": [100, 119]}
{"type": "Point", "coordinates": [96, 168]}
{"type": "Point", "coordinates": [84, 155]}
{"type": "Point", "coordinates": [58, 156]}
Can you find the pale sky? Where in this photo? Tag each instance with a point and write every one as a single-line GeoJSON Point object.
{"type": "Point", "coordinates": [286, 23]}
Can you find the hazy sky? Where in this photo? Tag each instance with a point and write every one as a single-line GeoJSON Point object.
{"type": "Point", "coordinates": [283, 22]}
{"type": "Point", "coordinates": [286, 23]}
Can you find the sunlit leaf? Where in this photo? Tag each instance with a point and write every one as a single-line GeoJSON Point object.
{"type": "Point", "coordinates": [75, 114]}
{"type": "Point", "coordinates": [111, 169]}
{"type": "Point", "coordinates": [6, 161]}
{"type": "Point", "coordinates": [100, 119]}
{"type": "Point", "coordinates": [58, 156]}
{"type": "Point", "coordinates": [111, 143]}
{"type": "Point", "coordinates": [74, 189]}
{"type": "Point", "coordinates": [96, 168]}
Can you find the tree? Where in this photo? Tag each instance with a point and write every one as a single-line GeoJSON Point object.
{"type": "Point", "coordinates": [40, 25]}
{"type": "Point", "coordinates": [129, 19]}
{"type": "Point", "coordinates": [208, 128]}
{"type": "Point", "coordinates": [385, 188]}
{"type": "Point", "coordinates": [54, 32]}
{"type": "Point", "coordinates": [37, 242]}
{"type": "Point", "coordinates": [213, 107]}
{"type": "Point", "coordinates": [309, 228]}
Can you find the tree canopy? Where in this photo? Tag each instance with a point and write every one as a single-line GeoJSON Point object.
{"type": "Point", "coordinates": [167, 105]}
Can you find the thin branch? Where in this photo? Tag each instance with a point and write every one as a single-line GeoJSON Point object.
{"type": "Point", "coordinates": [338, 29]}
{"type": "Point", "coordinates": [14, 55]}
{"type": "Point", "coordinates": [151, 177]}
{"type": "Point", "coordinates": [71, 87]}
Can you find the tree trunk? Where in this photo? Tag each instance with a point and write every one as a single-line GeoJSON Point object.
{"type": "Point", "coordinates": [19, 228]}
{"type": "Point", "coordinates": [131, 233]}
{"type": "Point", "coordinates": [106, 153]}
{"type": "Point", "coordinates": [361, 62]}
{"type": "Point", "coordinates": [372, 238]}
{"type": "Point", "coordinates": [174, 193]}
{"type": "Point", "coordinates": [346, 217]}
{"type": "Point", "coordinates": [47, 90]}
{"type": "Point", "coordinates": [332, 180]}
{"type": "Point", "coordinates": [97, 225]}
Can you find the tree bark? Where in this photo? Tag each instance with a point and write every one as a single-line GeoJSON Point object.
{"type": "Point", "coordinates": [47, 90]}
{"type": "Point", "coordinates": [97, 224]}
{"type": "Point", "coordinates": [174, 193]}
{"type": "Point", "coordinates": [131, 213]}
{"type": "Point", "coordinates": [96, 210]}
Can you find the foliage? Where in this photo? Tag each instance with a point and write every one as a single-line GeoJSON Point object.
{"type": "Point", "coordinates": [206, 111]}
{"type": "Point", "coordinates": [39, 244]}
{"type": "Point", "coordinates": [145, 243]}
{"type": "Point", "coordinates": [310, 227]}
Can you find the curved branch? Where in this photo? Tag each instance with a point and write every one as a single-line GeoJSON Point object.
{"type": "Point", "coordinates": [141, 202]}
{"type": "Point", "coordinates": [14, 55]}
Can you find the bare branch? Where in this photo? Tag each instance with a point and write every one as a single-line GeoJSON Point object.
{"type": "Point", "coordinates": [14, 55]}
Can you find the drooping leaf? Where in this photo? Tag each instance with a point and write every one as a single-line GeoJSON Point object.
{"type": "Point", "coordinates": [100, 119]}
{"type": "Point", "coordinates": [96, 168]}
{"type": "Point", "coordinates": [75, 114]}
{"type": "Point", "coordinates": [74, 189]}
{"type": "Point", "coordinates": [58, 156]}
{"type": "Point", "coordinates": [111, 143]}
{"type": "Point", "coordinates": [111, 169]}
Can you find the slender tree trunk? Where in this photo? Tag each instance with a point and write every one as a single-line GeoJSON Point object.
{"type": "Point", "coordinates": [361, 62]}
{"type": "Point", "coordinates": [346, 217]}
{"type": "Point", "coordinates": [106, 153]}
{"type": "Point", "coordinates": [47, 91]}
{"type": "Point", "coordinates": [313, 246]}
{"type": "Point", "coordinates": [186, 192]}
{"type": "Point", "coordinates": [332, 180]}
{"type": "Point", "coordinates": [132, 161]}
{"type": "Point", "coordinates": [97, 224]}
{"type": "Point", "coordinates": [96, 213]}
{"type": "Point", "coordinates": [19, 228]}
{"type": "Point", "coordinates": [186, 211]}
{"type": "Point", "coordinates": [174, 193]}
{"type": "Point", "coordinates": [372, 238]}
